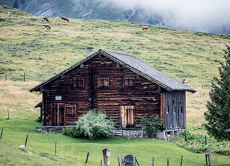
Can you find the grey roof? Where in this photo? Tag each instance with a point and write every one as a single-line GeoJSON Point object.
{"type": "Point", "coordinates": [135, 65]}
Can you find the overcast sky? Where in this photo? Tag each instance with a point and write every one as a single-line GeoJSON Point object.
{"type": "Point", "coordinates": [199, 15]}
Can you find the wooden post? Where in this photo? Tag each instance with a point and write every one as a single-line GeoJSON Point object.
{"type": "Point", "coordinates": [181, 161]}
{"type": "Point", "coordinates": [87, 156]}
{"type": "Point", "coordinates": [5, 77]}
{"type": "Point", "coordinates": [118, 161]}
{"type": "Point", "coordinates": [106, 154]}
{"type": "Point", "coordinates": [153, 161]}
{"type": "Point", "coordinates": [205, 140]}
{"type": "Point", "coordinates": [55, 147]}
{"type": "Point", "coordinates": [167, 161]}
{"type": "Point", "coordinates": [1, 133]}
{"type": "Point", "coordinates": [137, 162]}
{"type": "Point", "coordinates": [26, 139]}
{"type": "Point", "coordinates": [8, 113]}
{"type": "Point", "coordinates": [24, 77]}
{"type": "Point", "coordinates": [101, 163]}
{"type": "Point", "coordinates": [206, 158]}
{"type": "Point", "coordinates": [209, 157]}
{"type": "Point", "coordinates": [202, 86]}
{"type": "Point", "coordinates": [185, 136]}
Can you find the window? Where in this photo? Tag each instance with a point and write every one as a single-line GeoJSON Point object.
{"type": "Point", "coordinates": [71, 109]}
{"type": "Point", "coordinates": [128, 82]}
{"type": "Point", "coordinates": [78, 82]}
{"type": "Point", "coordinates": [103, 81]}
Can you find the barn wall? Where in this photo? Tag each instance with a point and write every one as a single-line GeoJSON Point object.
{"type": "Point", "coordinates": [175, 110]}
{"type": "Point", "coordinates": [143, 95]}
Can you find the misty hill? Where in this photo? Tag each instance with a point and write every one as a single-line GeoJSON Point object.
{"type": "Point", "coordinates": [41, 53]}
{"type": "Point", "coordinates": [205, 16]}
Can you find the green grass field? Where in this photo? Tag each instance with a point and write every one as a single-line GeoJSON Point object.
{"type": "Point", "coordinates": [26, 47]}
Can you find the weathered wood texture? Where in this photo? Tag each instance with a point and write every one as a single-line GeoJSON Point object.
{"type": "Point", "coordinates": [101, 83]}
{"type": "Point", "coordinates": [175, 110]}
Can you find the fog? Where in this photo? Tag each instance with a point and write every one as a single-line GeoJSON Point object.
{"type": "Point", "coordinates": [197, 15]}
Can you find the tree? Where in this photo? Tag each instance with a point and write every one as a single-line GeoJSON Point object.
{"type": "Point", "coordinates": [151, 125]}
{"type": "Point", "coordinates": [218, 114]}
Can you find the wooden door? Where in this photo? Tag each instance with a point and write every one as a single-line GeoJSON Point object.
{"type": "Point", "coordinates": [58, 114]}
{"type": "Point", "coordinates": [126, 116]}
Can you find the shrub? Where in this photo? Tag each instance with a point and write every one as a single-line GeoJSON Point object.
{"type": "Point", "coordinates": [151, 125]}
{"type": "Point", "coordinates": [197, 144]}
{"type": "Point", "coordinates": [94, 124]}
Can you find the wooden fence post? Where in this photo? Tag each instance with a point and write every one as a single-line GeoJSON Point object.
{"type": "Point", "coordinates": [26, 139]}
{"type": "Point", "coordinates": [101, 163]}
{"type": "Point", "coordinates": [167, 161]}
{"type": "Point", "coordinates": [55, 147]}
{"type": "Point", "coordinates": [181, 161]}
{"type": "Point", "coordinates": [209, 157]}
{"type": "Point", "coordinates": [24, 77]}
{"type": "Point", "coordinates": [206, 158]}
{"type": "Point", "coordinates": [5, 77]}
{"type": "Point", "coordinates": [205, 140]}
{"type": "Point", "coordinates": [118, 161]}
{"type": "Point", "coordinates": [185, 136]}
{"type": "Point", "coordinates": [87, 156]}
{"type": "Point", "coordinates": [1, 133]}
{"type": "Point", "coordinates": [8, 111]}
{"type": "Point", "coordinates": [153, 161]}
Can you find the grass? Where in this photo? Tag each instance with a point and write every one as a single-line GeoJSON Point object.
{"type": "Point", "coordinates": [15, 96]}
{"type": "Point", "coordinates": [41, 53]}
{"type": "Point", "coordinates": [70, 149]}
{"type": "Point", "coordinates": [25, 47]}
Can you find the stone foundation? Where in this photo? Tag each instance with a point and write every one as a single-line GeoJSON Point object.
{"type": "Point", "coordinates": [134, 133]}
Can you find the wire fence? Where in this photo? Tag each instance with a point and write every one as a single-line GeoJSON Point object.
{"type": "Point", "coordinates": [35, 76]}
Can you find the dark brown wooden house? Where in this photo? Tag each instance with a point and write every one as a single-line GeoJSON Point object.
{"type": "Point", "coordinates": [122, 85]}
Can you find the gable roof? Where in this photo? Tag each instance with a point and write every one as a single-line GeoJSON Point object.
{"type": "Point", "coordinates": [133, 64]}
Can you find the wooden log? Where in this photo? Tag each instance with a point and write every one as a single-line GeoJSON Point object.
{"type": "Point", "coordinates": [87, 156]}
{"type": "Point", "coordinates": [153, 161]}
{"type": "Point", "coordinates": [1, 133]}
{"type": "Point", "coordinates": [167, 161]}
{"type": "Point", "coordinates": [26, 139]}
{"type": "Point", "coordinates": [181, 161]}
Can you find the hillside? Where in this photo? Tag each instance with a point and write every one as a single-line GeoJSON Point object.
{"type": "Point", "coordinates": [40, 53]}
{"type": "Point", "coordinates": [25, 46]}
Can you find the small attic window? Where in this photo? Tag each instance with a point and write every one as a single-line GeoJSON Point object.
{"type": "Point", "coordinates": [118, 65]}
{"type": "Point", "coordinates": [137, 76]}
{"type": "Point", "coordinates": [129, 81]}
{"type": "Point", "coordinates": [103, 81]}
{"type": "Point", "coordinates": [81, 65]}
{"type": "Point", "coordinates": [78, 82]}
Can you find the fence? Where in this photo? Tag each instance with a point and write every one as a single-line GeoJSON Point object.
{"type": "Point", "coordinates": [36, 76]}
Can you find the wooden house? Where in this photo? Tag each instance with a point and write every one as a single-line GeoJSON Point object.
{"type": "Point", "coordinates": [118, 83]}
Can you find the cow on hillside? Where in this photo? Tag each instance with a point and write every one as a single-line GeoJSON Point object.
{"type": "Point", "coordinates": [45, 19]}
{"type": "Point", "coordinates": [64, 19]}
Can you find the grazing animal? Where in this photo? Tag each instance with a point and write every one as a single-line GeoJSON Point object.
{"type": "Point", "coordinates": [64, 19]}
{"type": "Point", "coordinates": [45, 19]}
{"type": "Point", "coordinates": [145, 28]}
{"type": "Point", "coordinates": [46, 26]}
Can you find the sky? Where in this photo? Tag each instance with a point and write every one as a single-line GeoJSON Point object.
{"type": "Point", "coordinates": [198, 15]}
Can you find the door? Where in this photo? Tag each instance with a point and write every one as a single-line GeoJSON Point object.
{"type": "Point", "coordinates": [127, 116]}
{"type": "Point", "coordinates": [58, 114]}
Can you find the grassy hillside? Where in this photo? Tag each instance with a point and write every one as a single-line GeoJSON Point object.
{"type": "Point", "coordinates": [25, 46]}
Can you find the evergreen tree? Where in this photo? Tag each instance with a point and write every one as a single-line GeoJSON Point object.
{"type": "Point", "coordinates": [22, 2]}
{"type": "Point", "coordinates": [218, 114]}
{"type": "Point", "coordinates": [15, 4]}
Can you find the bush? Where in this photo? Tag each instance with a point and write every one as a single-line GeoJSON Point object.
{"type": "Point", "coordinates": [94, 124]}
{"type": "Point", "coordinates": [151, 125]}
{"type": "Point", "coordinates": [197, 144]}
